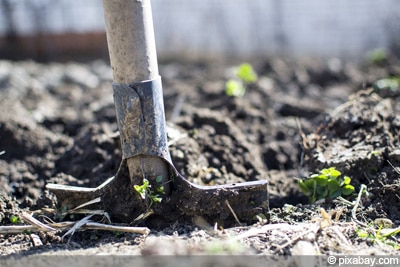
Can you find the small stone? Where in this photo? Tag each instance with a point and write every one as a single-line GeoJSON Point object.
{"type": "Point", "coordinates": [36, 241]}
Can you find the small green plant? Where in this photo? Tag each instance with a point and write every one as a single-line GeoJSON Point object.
{"type": "Point", "coordinates": [234, 88]}
{"type": "Point", "coordinates": [117, 234]}
{"type": "Point", "coordinates": [244, 74]}
{"type": "Point", "coordinates": [61, 212]}
{"type": "Point", "coordinates": [144, 190]}
{"type": "Point", "coordinates": [377, 56]}
{"type": "Point", "coordinates": [14, 219]}
{"type": "Point", "coordinates": [378, 236]}
{"type": "Point", "coordinates": [160, 187]}
{"type": "Point", "coordinates": [391, 83]}
{"type": "Point", "coordinates": [328, 183]}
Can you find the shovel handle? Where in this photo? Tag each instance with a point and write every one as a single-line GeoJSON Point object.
{"type": "Point", "coordinates": [132, 49]}
{"type": "Point", "coordinates": [130, 39]}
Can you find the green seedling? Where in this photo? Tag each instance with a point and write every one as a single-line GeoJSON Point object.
{"type": "Point", "coordinates": [14, 219]}
{"type": "Point", "coordinates": [388, 86]}
{"type": "Point", "coordinates": [244, 75]}
{"type": "Point", "coordinates": [61, 212]}
{"type": "Point", "coordinates": [375, 153]}
{"type": "Point", "coordinates": [234, 88]}
{"type": "Point", "coordinates": [328, 183]}
{"type": "Point", "coordinates": [377, 56]}
{"type": "Point", "coordinates": [144, 190]}
{"type": "Point", "coordinates": [379, 237]}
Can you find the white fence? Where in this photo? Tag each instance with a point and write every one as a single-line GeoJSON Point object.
{"type": "Point", "coordinates": [345, 28]}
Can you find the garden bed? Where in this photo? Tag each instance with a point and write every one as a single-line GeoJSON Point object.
{"type": "Point", "coordinates": [57, 125]}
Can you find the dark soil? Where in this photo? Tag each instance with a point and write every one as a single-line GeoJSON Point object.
{"type": "Point", "coordinates": [58, 125]}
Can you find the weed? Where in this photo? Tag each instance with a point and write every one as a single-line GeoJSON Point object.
{"type": "Point", "coordinates": [61, 212]}
{"type": "Point", "coordinates": [234, 88]}
{"type": "Point", "coordinates": [160, 187]}
{"type": "Point", "coordinates": [244, 74]}
{"type": "Point", "coordinates": [328, 183]}
{"type": "Point", "coordinates": [377, 236]}
{"type": "Point", "coordinates": [377, 56]}
{"type": "Point", "coordinates": [391, 83]}
{"type": "Point", "coordinates": [375, 153]}
{"type": "Point", "coordinates": [144, 190]}
{"type": "Point", "coordinates": [14, 219]}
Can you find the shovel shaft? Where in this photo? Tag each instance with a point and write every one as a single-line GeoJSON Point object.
{"type": "Point", "coordinates": [130, 38]}
{"type": "Point", "coordinates": [132, 49]}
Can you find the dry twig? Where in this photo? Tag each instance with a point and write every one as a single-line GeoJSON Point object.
{"type": "Point", "coordinates": [76, 226]}
{"type": "Point", "coordinates": [313, 229]}
{"type": "Point", "coordinates": [354, 210]}
{"type": "Point", "coordinates": [39, 225]}
{"type": "Point", "coordinates": [268, 227]}
{"type": "Point", "coordinates": [84, 224]}
{"type": "Point", "coordinates": [233, 212]}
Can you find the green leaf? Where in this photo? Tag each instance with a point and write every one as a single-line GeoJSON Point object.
{"type": "Point", "coordinates": [160, 189]}
{"type": "Point", "coordinates": [14, 219]}
{"type": "Point", "coordinates": [346, 180]}
{"type": "Point", "coordinates": [390, 83]}
{"type": "Point", "coordinates": [321, 180]}
{"type": "Point", "coordinates": [320, 190]}
{"type": "Point", "coordinates": [304, 188]}
{"type": "Point", "coordinates": [323, 193]}
{"type": "Point", "coordinates": [142, 189]}
{"type": "Point", "coordinates": [333, 185]}
{"type": "Point", "coordinates": [377, 55]}
{"type": "Point", "coordinates": [246, 73]}
{"type": "Point", "coordinates": [156, 198]}
{"type": "Point", "coordinates": [310, 183]}
{"type": "Point", "coordinates": [392, 233]}
{"type": "Point", "coordinates": [335, 194]}
{"type": "Point", "coordinates": [362, 233]}
{"type": "Point", "coordinates": [333, 173]}
{"type": "Point", "coordinates": [234, 88]}
{"type": "Point", "coordinates": [159, 179]}
{"type": "Point", "coordinates": [325, 171]}
{"type": "Point", "coordinates": [347, 189]}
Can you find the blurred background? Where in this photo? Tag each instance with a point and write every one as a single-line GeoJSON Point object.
{"type": "Point", "coordinates": [45, 30]}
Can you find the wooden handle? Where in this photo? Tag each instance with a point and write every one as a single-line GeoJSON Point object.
{"type": "Point", "coordinates": [130, 38]}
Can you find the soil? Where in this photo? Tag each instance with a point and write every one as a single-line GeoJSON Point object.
{"type": "Point", "coordinates": [58, 125]}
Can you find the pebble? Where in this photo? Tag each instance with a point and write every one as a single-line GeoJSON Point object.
{"type": "Point", "coordinates": [36, 241]}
